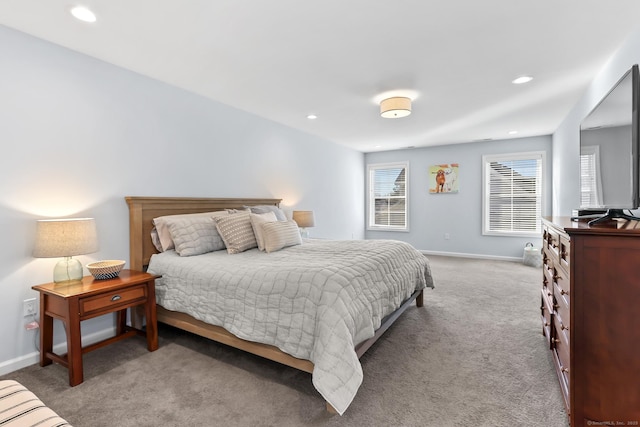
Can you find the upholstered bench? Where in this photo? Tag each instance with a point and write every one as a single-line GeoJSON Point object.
{"type": "Point", "coordinates": [21, 408]}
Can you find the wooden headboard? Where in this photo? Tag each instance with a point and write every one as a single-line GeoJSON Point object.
{"type": "Point", "coordinates": [142, 210]}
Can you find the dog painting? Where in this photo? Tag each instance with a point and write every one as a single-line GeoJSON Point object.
{"type": "Point", "coordinates": [443, 178]}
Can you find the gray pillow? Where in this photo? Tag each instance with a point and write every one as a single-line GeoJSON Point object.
{"type": "Point", "coordinates": [280, 216]}
{"type": "Point", "coordinates": [195, 235]}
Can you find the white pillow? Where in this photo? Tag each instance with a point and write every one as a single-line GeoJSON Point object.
{"type": "Point", "coordinates": [237, 232]}
{"type": "Point", "coordinates": [256, 221]}
{"type": "Point", "coordinates": [195, 236]}
{"type": "Point", "coordinates": [280, 234]}
{"type": "Point", "coordinates": [161, 224]}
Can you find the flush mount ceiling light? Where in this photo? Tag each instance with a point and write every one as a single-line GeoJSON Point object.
{"type": "Point", "coordinates": [522, 79]}
{"type": "Point", "coordinates": [395, 107]}
{"type": "Point", "coordinates": [83, 14]}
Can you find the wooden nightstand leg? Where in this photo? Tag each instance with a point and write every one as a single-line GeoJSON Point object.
{"type": "Point", "coordinates": [121, 321]}
{"type": "Point", "coordinates": [150, 313]}
{"type": "Point", "coordinates": [46, 333]}
{"type": "Point", "coordinates": [74, 345]}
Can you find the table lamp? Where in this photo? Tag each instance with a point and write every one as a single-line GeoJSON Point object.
{"type": "Point", "coordinates": [66, 238]}
{"type": "Point", "coordinates": [304, 219]}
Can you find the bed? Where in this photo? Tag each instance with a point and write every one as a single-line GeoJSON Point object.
{"type": "Point", "coordinates": [316, 306]}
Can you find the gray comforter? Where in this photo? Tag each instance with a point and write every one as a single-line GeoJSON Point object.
{"type": "Point", "coordinates": [315, 301]}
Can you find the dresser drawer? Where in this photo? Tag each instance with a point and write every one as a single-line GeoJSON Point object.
{"type": "Point", "coordinates": [552, 244]}
{"type": "Point", "coordinates": [109, 301]}
{"type": "Point", "coordinates": [545, 316]}
{"type": "Point", "coordinates": [564, 254]}
{"type": "Point", "coordinates": [560, 346]}
{"type": "Point", "coordinates": [562, 316]}
{"type": "Point", "coordinates": [561, 280]}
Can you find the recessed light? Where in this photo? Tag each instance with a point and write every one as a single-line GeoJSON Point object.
{"type": "Point", "coordinates": [522, 79]}
{"type": "Point", "coordinates": [83, 14]}
{"type": "Point", "coordinates": [513, 132]}
{"type": "Point", "coordinates": [312, 117]}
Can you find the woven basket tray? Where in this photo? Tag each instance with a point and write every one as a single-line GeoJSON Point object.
{"type": "Point", "coordinates": [108, 269]}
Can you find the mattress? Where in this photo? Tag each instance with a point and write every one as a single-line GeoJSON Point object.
{"type": "Point", "coordinates": [314, 301]}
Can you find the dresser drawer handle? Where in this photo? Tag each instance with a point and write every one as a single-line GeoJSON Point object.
{"type": "Point", "coordinates": [565, 370]}
{"type": "Point", "coordinates": [563, 292]}
{"type": "Point", "coordinates": [562, 327]}
{"type": "Point", "coordinates": [115, 298]}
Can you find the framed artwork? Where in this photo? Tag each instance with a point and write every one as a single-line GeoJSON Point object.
{"type": "Point", "coordinates": [443, 178]}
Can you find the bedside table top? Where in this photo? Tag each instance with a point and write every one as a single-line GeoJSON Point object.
{"type": "Point", "coordinates": [89, 285]}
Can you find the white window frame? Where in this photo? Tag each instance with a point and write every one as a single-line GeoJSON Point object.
{"type": "Point", "coordinates": [371, 168]}
{"type": "Point", "coordinates": [486, 203]}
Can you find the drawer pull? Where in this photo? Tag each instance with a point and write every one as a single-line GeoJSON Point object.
{"type": "Point", "coordinates": [563, 292]}
{"type": "Point", "coordinates": [557, 277]}
{"type": "Point", "coordinates": [565, 370]}
{"type": "Point", "coordinates": [555, 340]}
{"type": "Point", "coordinates": [562, 327]}
{"type": "Point", "coordinates": [115, 297]}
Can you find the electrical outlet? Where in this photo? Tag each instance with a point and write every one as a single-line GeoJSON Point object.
{"type": "Point", "coordinates": [29, 307]}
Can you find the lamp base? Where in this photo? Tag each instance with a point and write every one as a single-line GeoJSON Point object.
{"type": "Point", "coordinates": [67, 269]}
{"type": "Point", "coordinates": [304, 233]}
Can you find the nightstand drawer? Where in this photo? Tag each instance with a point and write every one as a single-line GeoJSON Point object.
{"type": "Point", "coordinates": [110, 301]}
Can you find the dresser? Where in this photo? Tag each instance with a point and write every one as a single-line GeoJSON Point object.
{"type": "Point", "coordinates": [590, 313]}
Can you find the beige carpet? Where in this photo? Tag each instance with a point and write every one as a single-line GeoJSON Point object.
{"type": "Point", "coordinates": [472, 356]}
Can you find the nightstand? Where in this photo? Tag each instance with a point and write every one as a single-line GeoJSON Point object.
{"type": "Point", "coordinates": [75, 301]}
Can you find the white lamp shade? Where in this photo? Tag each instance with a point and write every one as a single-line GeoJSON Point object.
{"type": "Point", "coordinates": [304, 219]}
{"type": "Point", "coordinates": [65, 237]}
{"type": "Point", "coordinates": [396, 107]}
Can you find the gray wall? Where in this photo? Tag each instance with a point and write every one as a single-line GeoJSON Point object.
{"type": "Point", "coordinates": [566, 139]}
{"type": "Point", "coordinates": [458, 214]}
{"type": "Point", "coordinates": [78, 135]}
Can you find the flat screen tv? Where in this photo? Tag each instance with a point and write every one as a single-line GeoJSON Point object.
{"type": "Point", "coordinates": [610, 151]}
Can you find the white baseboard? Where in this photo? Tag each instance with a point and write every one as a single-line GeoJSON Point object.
{"type": "Point", "coordinates": [477, 256]}
{"type": "Point", "coordinates": [12, 365]}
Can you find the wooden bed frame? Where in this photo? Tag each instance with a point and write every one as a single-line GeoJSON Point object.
{"type": "Point", "coordinates": [142, 210]}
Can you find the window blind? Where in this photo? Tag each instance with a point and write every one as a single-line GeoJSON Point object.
{"type": "Point", "coordinates": [388, 196]}
{"type": "Point", "coordinates": [513, 194]}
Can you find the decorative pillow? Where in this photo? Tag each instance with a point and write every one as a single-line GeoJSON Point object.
{"type": "Point", "coordinates": [268, 208]}
{"type": "Point", "coordinates": [161, 224]}
{"type": "Point", "coordinates": [155, 239]}
{"type": "Point", "coordinates": [237, 232]}
{"type": "Point", "coordinates": [195, 236]}
{"type": "Point", "coordinates": [256, 220]}
{"type": "Point", "coordinates": [280, 234]}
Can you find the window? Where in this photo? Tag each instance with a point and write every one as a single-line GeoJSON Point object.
{"type": "Point", "coordinates": [388, 196]}
{"type": "Point", "coordinates": [590, 180]}
{"type": "Point", "coordinates": [512, 203]}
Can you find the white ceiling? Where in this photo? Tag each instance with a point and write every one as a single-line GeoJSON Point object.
{"type": "Point", "coordinates": [285, 59]}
